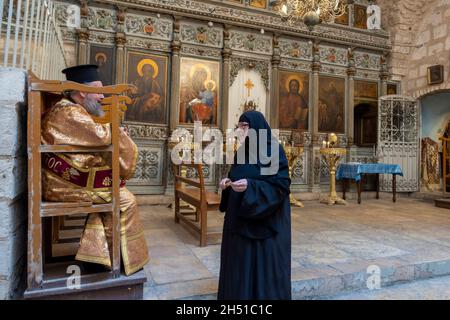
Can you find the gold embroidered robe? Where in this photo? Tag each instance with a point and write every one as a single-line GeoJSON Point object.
{"type": "Point", "coordinates": [68, 123]}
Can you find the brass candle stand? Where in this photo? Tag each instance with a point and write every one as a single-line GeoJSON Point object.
{"type": "Point", "coordinates": [332, 157]}
{"type": "Point", "coordinates": [293, 154]}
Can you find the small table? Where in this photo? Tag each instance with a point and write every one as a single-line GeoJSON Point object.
{"type": "Point", "coordinates": [354, 171]}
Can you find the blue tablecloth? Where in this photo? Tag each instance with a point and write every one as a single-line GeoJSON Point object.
{"type": "Point", "coordinates": [354, 170]}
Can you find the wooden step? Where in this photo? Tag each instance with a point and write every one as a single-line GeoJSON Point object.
{"type": "Point", "coordinates": [72, 149]}
{"type": "Point", "coordinates": [79, 223]}
{"type": "Point", "coordinates": [70, 234]}
{"type": "Point", "coordinates": [101, 285]}
{"type": "Point", "coordinates": [65, 249]}
{"type": "Point", "coordinates": [54, 209]}
{"type": "Point", "coordinates": [442, 203]}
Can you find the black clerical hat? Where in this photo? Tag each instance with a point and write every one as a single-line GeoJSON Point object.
{"type": "Point", "coordinates": [82, 73]}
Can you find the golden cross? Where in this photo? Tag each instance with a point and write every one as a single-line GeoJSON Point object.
{"type": "Point", "coordinates": [249, 85]}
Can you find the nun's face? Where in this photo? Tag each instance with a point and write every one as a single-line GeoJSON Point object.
{"type": "Point", "coordinates": [242, 131]}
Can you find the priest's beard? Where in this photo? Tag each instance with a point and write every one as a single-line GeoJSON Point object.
{"type": "Point", "coordinates": [93, 106]}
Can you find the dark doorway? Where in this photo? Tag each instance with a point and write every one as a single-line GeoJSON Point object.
{"type": "Point", "coordinates": [366, 127]}
{"type": "Point", "coordinates": [365, 135]}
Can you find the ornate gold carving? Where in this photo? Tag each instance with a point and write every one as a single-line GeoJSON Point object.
{"type": "Point", "coordinates": [261, 66]}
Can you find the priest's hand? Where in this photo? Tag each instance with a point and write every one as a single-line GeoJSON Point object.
{"type": "Point", "coordinates": [225, 183]}
{"type": "Point", "coordinates": [239, 185]}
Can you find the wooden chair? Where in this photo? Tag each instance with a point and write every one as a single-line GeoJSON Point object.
{"type": "Point", "coordinates": [47, 278]}
{"type": "Point", "coordinates": [197, 196]}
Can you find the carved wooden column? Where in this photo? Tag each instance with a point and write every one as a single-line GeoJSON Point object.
{"type": "Point", "coordinates": [351, 71]}
{"type": "Point", "coordinates": [274, 89]}
{"type": "Point", "coordinates": [384, 73]}
{"type": "Point", "coordinates": [314, 155]}
{"type": "Point", "coordinates": [315, 89]}
{"type": "Point", "coordinates": [226, 55]}
{"type": "Point", "coordinates": [175, 82]}
{"type": "Point", "coordinates": [121, 40]}
{"type": "Point", "coordinates": [83, 34]}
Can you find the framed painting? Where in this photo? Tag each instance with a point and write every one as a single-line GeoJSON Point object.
{"type": "Point", "coordinates": [392, 88]}
{"type": "Point", "coordinates": [262, 4]}
{"type": "Point", "coordinates": [366, 90]}
{"type": "Point", "coordinates": [148, 72]}
{"type": "Point", "coordinates": [344, 19]}
{"type": "Point", "coordinates": [293, 100]}
{"type": "Point", "coordinates": [331, 104]}
{"type": "Point", "coordinates": [360, 16]}
{"type": "Point", "coordinates": [435, 74]}
{"type": "Point", "coordinates": [104, 58]}
{"type": "Point", "coordinates": [199, 90]}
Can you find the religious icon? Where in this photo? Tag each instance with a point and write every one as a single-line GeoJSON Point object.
{"type": "Point", "coordinates": [344, 19]}
{"type": "Point", "coordinates": [391, 88]}
{"type": "Point", "coordinates": [258, 4]}
{"type": "Point", "coordinates": [149, 74]}
{"type": "Point", "coordinates": [199, 90]}
{"type": "Point", "coordinates": [293, 100]}
{"type": "Point", "coordinates": [104, 58]}
{"type": "Point", "coordinates": [360, 15]}
{"type": "Point", "coordinates": [366, 89]}
{"type": "Point", "coordinates": [331, 104]}
{"type": "Point", "coordinates": [436, 74]}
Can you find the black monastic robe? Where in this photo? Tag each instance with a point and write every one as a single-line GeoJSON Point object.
{"type": "Point", "coordinates": [256, 243]}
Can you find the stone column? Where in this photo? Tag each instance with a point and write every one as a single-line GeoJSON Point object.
{"type": "Point", "coordinates": [83, 34]}
{"type": "Point", "coordinates": [13, 189]}
{"type": "Point", "coordinates": [174, 90]}
{"type": "Point", "coordinates": [274, 88]}
{"type": "Point", "coordinates": [314, 156]}
{"type": "Point", "coordinates": [82, 50]}
{"type": "Point", "coordinates": [351, 72]}
{"type": "Point", "coordinates": [226, 55]}
{"type": "Point", "coordinates": [175, 82]}
{"type": "Point", "coordinates": [121, 40]}
{"type": "Point", "coordinates": [384, 73]}
{"type": "Point", "coordinates": [120, 58]}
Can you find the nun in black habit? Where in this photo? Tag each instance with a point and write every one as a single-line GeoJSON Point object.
{"type": "Point", "coordinates": [256, 243]}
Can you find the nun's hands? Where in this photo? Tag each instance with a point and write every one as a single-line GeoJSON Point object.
{"type": "Point", "coordinates": [225, 183]}
{"type": "Point", "coordinates": [239, 185]}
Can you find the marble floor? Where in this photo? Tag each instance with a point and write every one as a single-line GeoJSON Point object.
{"type": "Point", "coordinates": [334, 249]}
{"type": "Point", "coordinates": [427, 289]}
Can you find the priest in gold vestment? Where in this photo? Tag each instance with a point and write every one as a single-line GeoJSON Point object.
{"type": "Point", "coordinates": [75, 177]}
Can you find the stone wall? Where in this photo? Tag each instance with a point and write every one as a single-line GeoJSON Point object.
{"type": "Point", "coordinates": [420, 33]}
{"type": "Point", "coordinates": [432, 47]}
{"type": "Point", "coordinates": [13, 182]}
